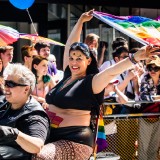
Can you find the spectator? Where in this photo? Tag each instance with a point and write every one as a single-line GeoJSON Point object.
{"type": "Point", "coordinates": [24, 125]}
{"type": "Point", "coordinates": [113, 94]}
{"type": "Point", "coordinates": [150, 127]}
{"type": "Point", "coordinates": [92, 40]}
{"type": "Point", "coordinates": [59, 75]}
{"type": "Point", "coordinates": [44, 82]}
{"type": "Point", "coordinates": [140, 72]}
{"type": "Point", "coordinates": [119, 41]}
{"type": "Point", "coordinates": [103, 46]}
{"type": "Point", "coordinates": [120, 45]}
{"type": "Point", "coordinates": [43, 49]}
{"type": "Point", "coordinates": [28, 52]}
{"type": "Point", "coordinates": [6, 54]}
{"type": "Point", "coordinates": [125, 79]}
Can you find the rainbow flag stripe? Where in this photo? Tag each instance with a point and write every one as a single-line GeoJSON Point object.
{"type": "Point", "coordinates": [142, 29]}
{"type": "Point", "coordinates": [101, 137]}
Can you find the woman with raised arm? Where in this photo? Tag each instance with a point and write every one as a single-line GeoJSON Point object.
{"type": "Point", "coordinates": [81, 91]}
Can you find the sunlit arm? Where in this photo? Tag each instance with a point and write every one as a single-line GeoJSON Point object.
{"type": "Point", "coordinates": [122, 98]}
{"type": "Point", "coordinates": [101, 80]}
{"type": "Point", "coordinates": [28, 143]}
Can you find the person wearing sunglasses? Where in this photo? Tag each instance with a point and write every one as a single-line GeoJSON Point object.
{"type": "Point", "coordinates": [150, 91]}
{"type": "Point", "coordinates": [78, 96]}
{"type": "Point", "coordinates": [24, 125]}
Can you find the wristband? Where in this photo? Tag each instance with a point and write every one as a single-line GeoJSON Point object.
{"type": "Point", "coordinates": [132, 59]}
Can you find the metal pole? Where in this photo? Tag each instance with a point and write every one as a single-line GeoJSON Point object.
{"type": "Point", "coordinates": [68, 19]}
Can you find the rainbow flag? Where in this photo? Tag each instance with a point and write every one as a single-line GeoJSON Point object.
{"type": "Point", "coordinates": [101, 137]}
{"type": "Point", "coordinates": [142, 29]}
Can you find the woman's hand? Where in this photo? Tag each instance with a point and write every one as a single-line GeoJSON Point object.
{"type": "Point", "coordinates": [146, 52]}
{"type": "Point", "coordinates": [45, 105]}
{"type": "Point", "coordinates": [87, 16]}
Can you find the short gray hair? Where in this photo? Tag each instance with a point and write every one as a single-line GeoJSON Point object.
{"type": "Point", "coordinates": [24, 75]}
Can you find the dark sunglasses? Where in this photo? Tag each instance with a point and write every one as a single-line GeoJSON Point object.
{"type": "Point", "coordinates": [155, 69]}
{"type": "Point", "coordinates": [34, 56]}
{"type": "Point", "coordinates": [11, 84]}
{"type": "Point", "coordinates": [80, 46]}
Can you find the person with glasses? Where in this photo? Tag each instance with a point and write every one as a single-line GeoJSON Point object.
{"type": "Point", "coordinates": [24, 125]}
{"type": "Point", "coordinates": [125, 78]}
{"type": "Point", "coordinates": [79, 95]}
{"type": "Point", "coordinates": [28, 52]}
{"type": "Point", "coordinates": [150, 127]}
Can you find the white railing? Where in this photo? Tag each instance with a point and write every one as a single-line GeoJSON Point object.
{"type": "Point", "coordinates": [136, 104]}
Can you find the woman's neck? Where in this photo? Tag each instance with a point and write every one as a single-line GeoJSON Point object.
{"type": "Point", "coordinates": [20, 104]}
{"type": "Point", "coordinates": [39, 78]}
{"type": "Point", "coordinates": [74, 77]}
{"type": "Point", "coordinates": [155, 80]}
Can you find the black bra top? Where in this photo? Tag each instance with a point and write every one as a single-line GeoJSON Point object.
{"type": "Point", "coordinates": [77, 95]}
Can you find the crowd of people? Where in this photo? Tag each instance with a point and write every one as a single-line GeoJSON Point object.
{"type": "Point", "coordinates": [46, 113]}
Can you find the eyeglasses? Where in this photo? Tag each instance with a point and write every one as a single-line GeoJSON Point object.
{"type": "Point", "coordinates": [155, 69]}
{"type": "Point", "coordinates": [80, 46]}
{"type": "Point", "coordinates": [123, 57]}
{"type": "Point", "coordinates": [11, 84]}
{"type": "Point", "coordinates": [31, 56]}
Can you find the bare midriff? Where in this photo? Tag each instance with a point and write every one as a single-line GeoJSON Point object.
{"type": "Point", "coordinates": [68, 117]}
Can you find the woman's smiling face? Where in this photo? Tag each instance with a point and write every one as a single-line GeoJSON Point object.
{"type": "Point", "coordinates": [78, 62]}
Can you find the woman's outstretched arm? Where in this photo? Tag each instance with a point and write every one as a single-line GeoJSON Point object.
{"type": "Point", "coordinates": [101, 80]}
{"type": "Point", "coordinates": [75, 35]}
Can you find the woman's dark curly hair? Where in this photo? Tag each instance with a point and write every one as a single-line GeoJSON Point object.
{"type": "Point", "coordinates": [93, 67]}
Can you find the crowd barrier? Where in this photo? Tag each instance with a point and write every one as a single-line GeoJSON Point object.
{"type": "Point", "coordinates": [125, 131]}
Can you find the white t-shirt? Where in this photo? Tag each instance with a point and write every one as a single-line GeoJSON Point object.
{"type": "Point", "coordinates": [120, 77]}
{"type": "Point", "coordinates": [106, 64]}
